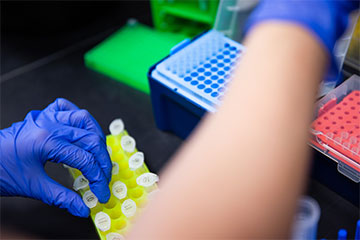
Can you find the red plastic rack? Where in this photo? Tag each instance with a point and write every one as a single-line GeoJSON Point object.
{"type": "Point", "coordinates": [337, 129]}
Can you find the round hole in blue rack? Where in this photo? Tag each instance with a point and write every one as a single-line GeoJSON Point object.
{"type": "Point", "coordinates": [207, 65]}
{"type": "Point", "coordinates": [213, 61]}
{"type": "Point", "coordinates": [219, 56]}
{"type": "Point", "coordinates": [227, 76]}
{"type": "Point", "coordinates": [215, 94]}
{"type": "Point", "coordinates": [194, 74]}
{"type": "Point", "coordinates": [208, 90]}
{"type": "Point", "coordinates": [226, 52]}
{"type": "Point", "coordinates": [226, 45]}
{"type": "Point", "coordinates": [221, 89]}
{"type": "Point", "coordinates": [201, 78]}
{"type": "Point", "coordinates": [221, 81]}
{"type": "Point", "coordinates": [207, 73]}
{"type": "Point", "coordinates": [214, 69]}
{"type": "Point", "coordinates": [194, 82]}
{"type": "Point", "coordinates": [227, 68]}
{"type": "Point", "coordinates": [201, 86]}
{"type": "Point", "coordinates": [232, 64]}
{"type": "Point", "coordinates": [214, 77]}
{"type": "Point", "coordinates": [220, 64]}
{"type": "Point", "coordinates": [208, 82]}
{"type": "Point", "coordinates": [215, 85]}
{"type": "Point", "coordinates": [221, 73]}
{"type": "Point", "coordinates": [227, 60]}
{"type": "Point", "coordinates": [233, 48]}
{"type": "Point", "coordinates": [233, 55]}
{"type": "Point", "coordinates": [201, 70]}
{"type": "Point", "coordinates": [187, 79]}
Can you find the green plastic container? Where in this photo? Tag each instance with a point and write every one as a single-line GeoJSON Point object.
{"type": "Point", "coordinates": [127, 55]}
{"type": "Point", "coordinates": [189, 17]}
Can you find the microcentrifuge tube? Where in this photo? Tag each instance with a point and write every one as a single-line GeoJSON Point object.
{"type": "Point", "coordinates": [80, 183]}
{"type": "Point", "coordinates": [128, 144]}
{"type": "Point", "coordinates": [119, 189]}
{"type": "Point", "coordinates": [114, 236]}
{"type": "Point", "coordinates": [102, 221]}
{"type": "Point", "coordinates": [128, 208]}
{"type": "Point", "coordinates": [115, 168]}
{"type": "Point", "coordinates": [90, 199]}
{"type": "Point", "coordinates": [109, 150]}
{"type": "Point", "coordinates": [147, 179]}
{"type": "Point", "coordinates": [116, 127]}
{"type": "Point", "coordinates": [136, 160]}
{"type": "Point", "coordinates": [306, 219]}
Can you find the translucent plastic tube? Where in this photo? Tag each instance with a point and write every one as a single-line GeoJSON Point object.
{"type": "Point", "coordinates": [306, 219]}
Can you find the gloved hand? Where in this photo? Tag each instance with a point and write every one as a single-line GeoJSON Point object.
{"type": "Point", "coordinates": [60, 133]}
{"type": "Point", "coordinates": [325, 19]}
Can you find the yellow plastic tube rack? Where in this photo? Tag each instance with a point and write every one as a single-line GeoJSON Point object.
{"type": "Point", "coordinates": [131, 186]}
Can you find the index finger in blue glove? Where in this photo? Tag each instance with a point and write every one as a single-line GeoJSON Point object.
{"type": "Point", "coordinates": [80, 119]}
{"type": "Point", "coordinates": [64, 152]}
{"type": "Point", "coordinates": [61, 104]}
{"type": "Point", "coordinates": [92, 143]}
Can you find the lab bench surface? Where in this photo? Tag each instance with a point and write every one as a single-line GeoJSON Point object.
{"type": "Point", "coordinates": [66, 76]}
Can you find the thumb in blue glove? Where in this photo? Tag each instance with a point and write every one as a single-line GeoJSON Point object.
{"type": "Point", "coordinates": [61, 133]}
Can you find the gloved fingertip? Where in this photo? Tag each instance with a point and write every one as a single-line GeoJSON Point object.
{"type": "Point", "coordinates": [102, 194]}
{"type": "Point", "coordinates": [79, 210]}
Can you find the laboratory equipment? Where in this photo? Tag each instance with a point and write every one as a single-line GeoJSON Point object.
{"type": "Point", "coordinates": [342, 234]}
{"type": "Point", "coordinates": [192, 80]}
{"type": "Point", "coordinates": [189, 17]}
{"type": "Point", "coordinates": [335, 131]}
{"type": "Point", "coordinates": [306, 219]}
{"type": "Point", "coordinates": [232, 17]}
{"type": "Point", "coordinates": [128, 53]}
{"type": "Point", "coordinates": [357, 233]}
{"type": "Point", "coordinates": [131, 186]}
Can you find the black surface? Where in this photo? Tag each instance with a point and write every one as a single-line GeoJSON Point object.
{"type": "Point", "coordinates": [64, 75]}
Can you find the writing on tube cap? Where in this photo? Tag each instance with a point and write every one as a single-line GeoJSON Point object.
{"type": "Point", "coordinates": [116, 127]}
{"type": "Point", "coordinates": [80, 183]}
{"type": "Point", "coordinates": [119, 189]}
{"type": "Point", "coordinates": [128, 143]}
{"type": "Point", "coordinates": [115, 168]}
{"type": "Point", "coordinates": [102, 221]}
{"type": "Point", "coordinates": [136, 160]}
{"type": "Point", "coordinates": [147, 179]}
{"type": "Point", "coordinates": [114, 236]}
{"type": "Point", "coordinates": [128, 208]}
{"type": "Point", "coordinates": [90, 199]}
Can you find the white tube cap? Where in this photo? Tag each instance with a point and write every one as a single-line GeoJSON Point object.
{"type": "Point", "coordinates": [114, 236]}
{"type": "Point", "coordinates": [119, 189]}
{"type": "Point", "coordinates": [116, 127]}
{"type": "Point", "coordinates": [102, 221]}
{"type": "Point", "coordinates": [147, 179]}
{"type": "Point", "coordinates": [136, 160]}
{"type": "Point", "coordinates": [90, 199]}
{"type": "Point", "coordinates": [128, 208]}
{"type": "Point", "coordinates": [80, 183]}
{"type": "Point", "coordinates": [128, 143]}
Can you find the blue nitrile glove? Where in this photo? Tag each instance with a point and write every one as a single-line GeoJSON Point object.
{"type": "Point", "coordinates": [325, 19]}
{"type": "Point", "coordinates": [60, 133]}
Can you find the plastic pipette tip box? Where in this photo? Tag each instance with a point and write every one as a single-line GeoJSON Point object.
{"type": "Point", "coordinates": [200, 69]}
{"type": "Point", "coordinates": [336, 129]}
{"type": "Point", "coordinates": [131, 186]}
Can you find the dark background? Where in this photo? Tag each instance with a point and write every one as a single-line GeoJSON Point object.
{"type": "Point", "coordinates": [42, 47]}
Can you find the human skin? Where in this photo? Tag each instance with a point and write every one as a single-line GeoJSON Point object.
{"type": "Point", "coordinates": [241, 172]}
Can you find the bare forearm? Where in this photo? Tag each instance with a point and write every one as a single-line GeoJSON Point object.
{"type": "Point", "coordinates": [240, 174]}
